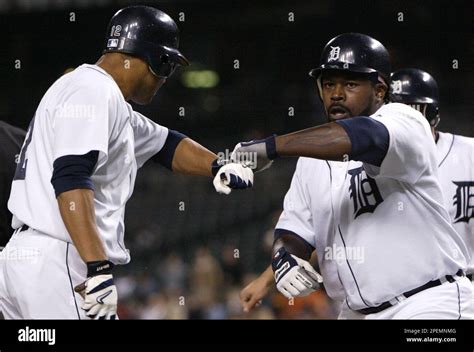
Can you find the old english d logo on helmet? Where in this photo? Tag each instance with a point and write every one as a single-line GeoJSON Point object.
{"type": "Point", "coordinates": [355, 52]}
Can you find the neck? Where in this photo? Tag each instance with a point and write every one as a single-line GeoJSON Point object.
{"type": "Point", "coordinates": [379, 105]}
{"type": "Point", "coordinates": [113, 65]}
{"type": "Point", "coordinates": [372, 109]}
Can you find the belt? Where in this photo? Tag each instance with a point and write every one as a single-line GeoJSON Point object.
{"type": "Point", "coordinates": [388, 304]}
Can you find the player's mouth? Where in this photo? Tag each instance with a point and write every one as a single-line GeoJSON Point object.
{"type": "Point", "coordinates": [338, 112]}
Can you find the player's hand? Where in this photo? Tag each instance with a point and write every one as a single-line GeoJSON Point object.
{"type": "Point", "coordinates": [257, 154]}
{"type": "Point", "coordinates": [232, 176]}
{"type": "Point", "coordinates": [251, 296]}
{"type": "Point", "coordinates": [294, 276]}
{"type": "Point", "coordinates": [99, 292]}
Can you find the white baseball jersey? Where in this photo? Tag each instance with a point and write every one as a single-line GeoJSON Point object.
{"type": "Point", "coordinates": [83, 111]}
{"type": "Point", "coordinates": [378, 231]}
{"type": "Point", "coordinates": [456, 176]}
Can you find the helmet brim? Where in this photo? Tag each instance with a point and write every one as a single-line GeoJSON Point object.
{"type": "Point", "coordinates": [176, 56]}
{"type": "Point", "coordinates": [340, 66]}
{"type": "Point", "coordinates": [410, 99]}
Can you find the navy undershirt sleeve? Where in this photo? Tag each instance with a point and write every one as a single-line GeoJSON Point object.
{"type": "Point", "coordinates": [73, 172]}
{"type": "Point", "coordinates": [369, 139]}
{"type": "Point", "coordinates": [166, 154]}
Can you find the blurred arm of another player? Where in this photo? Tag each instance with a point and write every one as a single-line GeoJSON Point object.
{"type": "Point", "coordinates": [255, 291]}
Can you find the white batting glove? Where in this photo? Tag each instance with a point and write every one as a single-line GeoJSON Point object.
{"type": "Point", "coordinates": [232, 176]}
{"type": "Point", "coordinates": [294, 276]}
{"type": "Point", "coordinates": [99, 292]}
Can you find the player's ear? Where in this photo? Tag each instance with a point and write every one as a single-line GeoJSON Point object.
{"type": "Point", "coordinates": [380, 91]}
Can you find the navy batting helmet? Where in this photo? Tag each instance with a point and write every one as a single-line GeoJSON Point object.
{"type": "Point", "coordinates": [149, 34]}
{"type": "Point", "coordinates": [355, 52]}
{"type": "Point", "coordinates": [418, 89]}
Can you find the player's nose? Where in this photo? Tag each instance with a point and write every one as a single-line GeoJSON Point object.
{"type": "Point", "coordinates": [337, 92]}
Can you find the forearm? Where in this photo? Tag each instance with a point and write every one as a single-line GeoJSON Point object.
{"type": "Point", "coordinates": [191, 158]}
{"type": "Point", "coordinates": [314, 261]}
{"type": "Point", "coordinates": [293, 245]}
{"type": "Point", "coordinates": [328, 142]}
{"type": "Point", "coordinates": [78, 213]}
{"type": "Point", "coordinates": [267, 277]}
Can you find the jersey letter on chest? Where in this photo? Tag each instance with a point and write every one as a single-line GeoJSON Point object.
{"type": "Point", "coordinates": [464, 201]}
{"type": "Point", "coordinates": [364, 192]}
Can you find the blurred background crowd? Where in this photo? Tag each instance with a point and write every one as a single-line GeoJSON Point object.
{"type": "Point", "coordinates": [193, 250]}
{"type": "Point", "coordinates": [198, 250]}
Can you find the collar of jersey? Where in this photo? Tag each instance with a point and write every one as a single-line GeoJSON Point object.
{"type": "Point", "coordinates": [101, 70]}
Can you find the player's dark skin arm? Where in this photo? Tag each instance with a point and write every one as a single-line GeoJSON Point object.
{"type": "Point", "coordinates": [78, 213]}
{"type": "Point", "coordinates": [191, 158]}
{"type": "Point", "coordinates": [293, 245]}
{"type": "Point", "coordinates": [328, 142]}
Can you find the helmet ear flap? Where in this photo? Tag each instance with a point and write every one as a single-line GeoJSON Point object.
{"type": "Point", "coordinates": [429, 111]}
{"type": "Point", "coordinates": [432, 114]}
{"type": "Point", "coordinates": [165, 58]}
{"type": "Point", "coordinates": [434, 123]}
{"type": "Point", "coordinates": [165, 67]}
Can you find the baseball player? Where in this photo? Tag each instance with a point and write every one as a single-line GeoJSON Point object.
{"type": "Point", "coordinates": [77, 170]}
{"type": "Point", "coordinates": [455, 156]}
{"type": "Point", "coordinates": [365, 195]}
